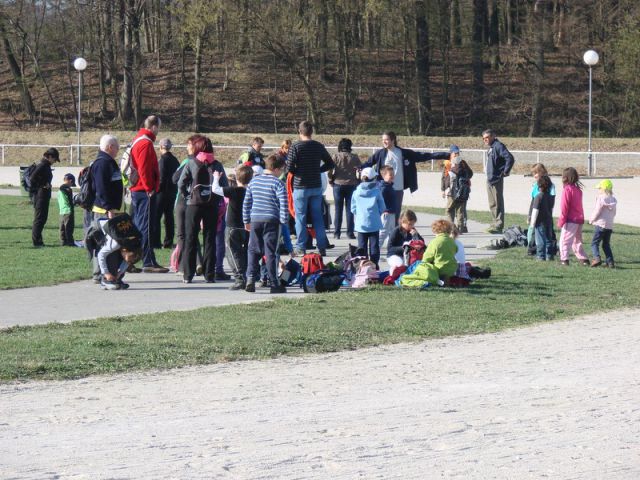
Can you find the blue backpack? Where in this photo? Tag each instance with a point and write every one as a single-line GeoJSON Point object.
{"type": "Point", "coordinates": [323, 281]}
{"type": "Point", "coordinates": [292, 273]}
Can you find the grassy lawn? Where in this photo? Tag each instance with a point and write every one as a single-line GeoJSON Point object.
{"type": "Point", "coordinates": [21, 265]}
{"type": "Point", "coordinates": [520, 292]}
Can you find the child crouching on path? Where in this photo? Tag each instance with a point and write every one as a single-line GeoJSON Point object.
{"type": "Point", "coordinates": [602, 220]}
{"type": "Point", "coordinates": [367, 205]}
{"type": "Point", "coordinates": [571, 218]}
{"type": "Point", "coordinates": [439, 261]}
{"type": "Point", "coordinates": [264, 210]}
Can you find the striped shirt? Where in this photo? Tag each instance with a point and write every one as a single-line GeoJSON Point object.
{"type": "Point", "coordinates": [265, 200]}
{"type": "Point", "coordinates": [306, 160]}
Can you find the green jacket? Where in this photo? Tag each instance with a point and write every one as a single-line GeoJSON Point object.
{"type": "Point", "coordinates": [441, 252]}
{"type": "Point", "coordinates": [65, 200]}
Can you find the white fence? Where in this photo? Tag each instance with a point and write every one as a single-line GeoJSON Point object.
{"type": "Point", "coordinates": [604, 163]}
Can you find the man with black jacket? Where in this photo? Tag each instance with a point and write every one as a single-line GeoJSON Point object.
{"type": "Point", "coordinates": [499, 164]}
{"type": "Point", "coordinates": [165, 199]}
{"type": "Point", "coordinates": [40, 180]}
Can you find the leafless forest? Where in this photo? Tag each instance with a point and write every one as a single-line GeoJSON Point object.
{"type": "Point", "coordinates": [422, 67]}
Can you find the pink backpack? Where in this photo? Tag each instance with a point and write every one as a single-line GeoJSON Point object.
{"type": "Point", "coordinates": [365, 275]}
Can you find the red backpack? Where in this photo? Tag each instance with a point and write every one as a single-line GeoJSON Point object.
{"type": "Point", "coordinates": [311, 263]}
{"type": "Point", "coordinates": [414, 251]}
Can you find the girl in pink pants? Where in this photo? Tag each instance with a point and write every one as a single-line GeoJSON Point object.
{"type": "Point", "coordinates": [571, 218]}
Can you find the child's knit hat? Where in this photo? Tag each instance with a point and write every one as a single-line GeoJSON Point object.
{"type": "Point", "coordinates": [606, 185]}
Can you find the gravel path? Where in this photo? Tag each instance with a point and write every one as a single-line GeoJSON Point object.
{"type": "Point", "coordinates": [559, 400]}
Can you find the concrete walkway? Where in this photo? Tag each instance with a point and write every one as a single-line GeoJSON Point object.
{"type": "Point", "coordinates": [555, 400]}
{"type": "Point", "coordinates": [163, 292]}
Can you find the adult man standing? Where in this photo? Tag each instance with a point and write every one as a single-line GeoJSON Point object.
{"type": "Point", "coordinates": [107, 185]}
{"type": "Point", "coordinates": [499, 164]}
{"type": "Point", "coordinates": [165, 199]}
{"type": "Point", "coordinates": [40, 181]}
{"type": "Point", "coordinates": [306, 160]}
{"type": "Point", "coordinates": [144, 161]}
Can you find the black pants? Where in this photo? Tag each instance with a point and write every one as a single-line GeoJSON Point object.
{"type": "Point", "coordinates": [263, 240]}
{"type": "Point", "coordinates": [237, 240]}
{"type": "Point", "coordinates": [67, 224]}
{"type": "Point", "coordinates": [208, 215]}
{"type": "Point", "coordinates": [372, 239]}
{"type": "Point", "coordinates": [40, 215]}
{"type": "Point", "coordinates": [164, 209]}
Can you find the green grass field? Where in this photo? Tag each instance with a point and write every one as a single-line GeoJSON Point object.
{"type": "Point", "coordinates": [521, 291]}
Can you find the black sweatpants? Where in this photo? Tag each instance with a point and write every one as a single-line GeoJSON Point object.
{"type": "Point", "coordinates": [164, 210]}
{"type": "Point", "coordinates": [40, 214]}
{"type": "Point", "coordinates": [208, 215]}
{"type": "Point", "coordinates": [237, 240]}
{"type": "Point", "coordinates": [263, 240]}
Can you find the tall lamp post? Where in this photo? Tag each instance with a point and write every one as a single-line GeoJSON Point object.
{"type": "Point", "coordinates": [80, 64]}
{"type": "Point", "coordinates": [591, 58]}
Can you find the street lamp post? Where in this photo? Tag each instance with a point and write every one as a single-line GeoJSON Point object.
{"type": "Point", "coordinates": [80, 64]}
{"type": "Point", "coordinates": [591, 58]}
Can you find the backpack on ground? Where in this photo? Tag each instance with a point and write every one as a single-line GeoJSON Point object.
{"type": "Point", "coordinates": [514, 237]}
{"type": "Point", "coordinates": [201, 190]}
{"type": "Point", "coordinates": [413, 251]}
{"type": "Point", "coordinates": [311, 263]}
{"type": "Point", "coordinates": [25, 178]}
{"type": "Point", "coordinates": [87, 194]}
{"type": "Point", "coordinates": [323, 281]}
{"type": "Point", "coordinates": [130, 175]}
{"type": "Point", "coordinates": [291, 274]}
{"type": "Point", "coordinates": [367, 274]}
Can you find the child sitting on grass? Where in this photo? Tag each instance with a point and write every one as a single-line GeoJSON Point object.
{"type": "Point", "coordinates": [403, 233]}
{"type": "Point", "coordinates": [439, 261]}
{"type": "Point", "coordinates": [602, 220]}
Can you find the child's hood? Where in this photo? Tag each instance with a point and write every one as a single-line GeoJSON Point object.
{"type": "Point", "coordinates": [368, 189]}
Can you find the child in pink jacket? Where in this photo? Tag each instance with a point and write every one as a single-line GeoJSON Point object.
{"type": "Point", "coordinates": [571, 218]}
{"type": "Point", "coordinates": [602, 220]}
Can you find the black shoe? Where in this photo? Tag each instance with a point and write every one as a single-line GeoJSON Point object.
{"type": "Point", "coordinates": [222, 277]}
{"type": "Point", "coordinates": [251, 287]}
{"type": "Point", "coordinates": [278, 289]}
{"type": "Point", "coordinates": [123, 286]}
{"type": "Point", "coordinates": [263, 283]}
{"type": "Point", "coordinates": [330, 246]}
{"type": "Point", "coordinates": [210, 280]}
{"type": "Point", "coordinates": [238, 285]}
{"type": "Point", "coordinates": [322, 252]}
{"type": "Point", "coordinates": [336, 235]}
{"type": "Point", "coordinates": [351, 236]}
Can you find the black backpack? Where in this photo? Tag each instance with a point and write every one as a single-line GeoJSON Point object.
{"type": "Point", "coordinates": [514, 237]}
{"type": "Point", "coordinates": [87, 194]}
{"type": "Point", "coordinates": [463, 189]}
{"type": "Point", "coordinates": [323, 281]}
{"type": "Point", "coordinates": [120, 228]}
{"type": "Point", "coordinates": [25, 178]}
{"type": "Point", "coordinates": [201, 192]}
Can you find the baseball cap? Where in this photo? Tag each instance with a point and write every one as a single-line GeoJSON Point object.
{"type": "Point", "coordinates": [454, 149]}
{"type": "Point", "coordinates": [52, 152]}
{"type": "Point", "coordinates": [605, 185]}
{"type": "Point", "coordinates": [166, 143]}
{"type": "Point", "coordinates": [257, 170]}
{"type": "Point", "coordinates": [368, 172]}
{"type": "Point", "coordinates": [69, 176]}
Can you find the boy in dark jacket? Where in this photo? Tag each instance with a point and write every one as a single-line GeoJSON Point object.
{"type": "Point", "coordinates": [67, 217]}
{"type": "Point", "coordinates": [388, 194]}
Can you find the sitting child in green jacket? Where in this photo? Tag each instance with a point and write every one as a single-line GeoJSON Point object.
{"type": "Point", "coordinates": [439, 260]}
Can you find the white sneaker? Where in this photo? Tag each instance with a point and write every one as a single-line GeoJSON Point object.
{"type": "Point", "coordinates": [109, 285]}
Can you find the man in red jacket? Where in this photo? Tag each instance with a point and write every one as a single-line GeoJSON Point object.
{"type": "Point", "coordinates": [144, 162]}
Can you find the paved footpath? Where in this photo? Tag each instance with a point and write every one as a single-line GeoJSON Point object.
{"type": "Point", "coordinates": [557, 400]}
{"type": "Point", "coordinates": [151, 293]}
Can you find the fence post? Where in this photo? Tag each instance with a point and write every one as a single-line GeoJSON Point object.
{"type": "Point", "coordinates": [70, 154]}
{"type": "Point", "coordinates": [2, 154]}
{"type": "Point", "coordinates": [595, 164]}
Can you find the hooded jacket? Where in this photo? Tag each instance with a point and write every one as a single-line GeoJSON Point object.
{"type": "Point", "coordinates": [367, 205]}
{"type": "Point", "coordinates": [604, 211]}
{"type": "Point", "coordinates": [571, 210]}
{"type": "Point", "coordinates": [499, 162]}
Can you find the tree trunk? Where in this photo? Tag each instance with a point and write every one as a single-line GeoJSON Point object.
{"type": "Point", "coordinates": [16, 73]}
{"type": "Point", "coordinates": [196, 84]}
{"type": "Point", "coordinates": [456, 34]}
{"type": "Point", "coordinates": [126, 99]}
{"type": "Point", "coordinates": [537, 31]}
{"type": "Point", "coordinates": [323, 33]}
{"type": "Point", "coordinates": [494, 34]}
{"type": "Point", "coordinates": [422, 68]}
{"type": "Point", "coordinates": [405, 76]}
{"type": "Point", "coordinates": [477, 45]}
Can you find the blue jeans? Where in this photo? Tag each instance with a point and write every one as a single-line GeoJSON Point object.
{"type": "Point", "coordinates": [143, 214]}
{"type": "Point", "coordinates": [263, 240]}
{"type": "Point", "coordinates": [303, 200]}
{"type": "Point", "coordinates": [543, 243]}
{"type": "Point", "coordinates": [602, 235]}
{"type": "Point", "coordinates": [342, 199]}
{"type": "Point", "coordinates": [372, 239]}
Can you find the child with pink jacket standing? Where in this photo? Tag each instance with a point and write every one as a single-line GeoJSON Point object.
{"type": "Point", "coordinates": [571, 218]}
{"type": "Point", "coordinates": [602, 221]}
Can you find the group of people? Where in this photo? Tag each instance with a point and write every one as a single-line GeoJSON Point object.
{"type": "Point", "coordinates": [248, 216]}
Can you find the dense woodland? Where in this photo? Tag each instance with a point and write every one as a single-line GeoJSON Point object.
{"type": "Point", "coordinates": [426, 67]}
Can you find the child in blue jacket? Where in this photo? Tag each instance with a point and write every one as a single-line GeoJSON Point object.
{"type": "Point", "coordinates": [367, 205]}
